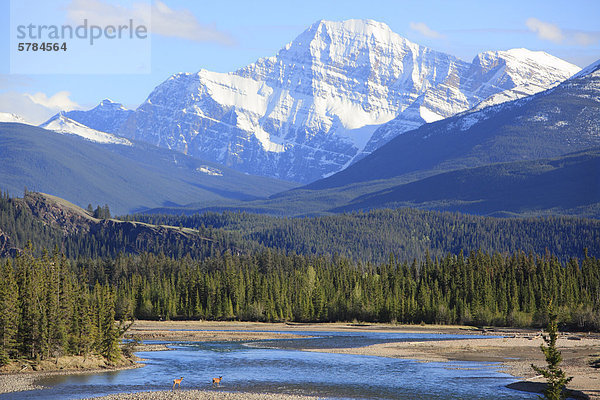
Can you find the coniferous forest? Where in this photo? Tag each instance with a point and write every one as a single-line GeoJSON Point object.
{"type": "Point", "coordinates": [46, 311]}
{"type": "Point", "coordinates": [245, 267]}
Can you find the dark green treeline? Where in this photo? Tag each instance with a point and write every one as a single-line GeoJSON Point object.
{"type": "Point", "coordinates": [407, 233]}
{"type": "Point", "coordinates": [362, 237]}
{"type": "Point", "coordinates": [479, 289]}
{"type": "Point", "coordinates": [51, 306]}
{"type": "Point", "coordinates": [45, 312]}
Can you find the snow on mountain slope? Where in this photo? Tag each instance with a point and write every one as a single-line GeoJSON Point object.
{"type": "Point", "coordinates": [316, 105]}
{"type": "Point", "coordinates": [62, 124]}
{"type": "Point", "coordinates": [592, 68]}
{"type": "Point", "coordinates": [9, 117]}
{"type": "Point", "coordinates": [494, 77]}
{"type": "Point", "coordinates": [549, 124]}
{"type": "Point", "coordinates": [108, 116]}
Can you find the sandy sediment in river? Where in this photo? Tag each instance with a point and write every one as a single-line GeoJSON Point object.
{"type": "Point", "coordinates": [241, 331]}
{"type": "Point", "coordinates": [22, 381]}
{"type": "Point", "coordinates": [206, 331]}
{"type": "Point", "coordinates": [202, 395]}
{"type": "Point", "coordinates": [515, 353]}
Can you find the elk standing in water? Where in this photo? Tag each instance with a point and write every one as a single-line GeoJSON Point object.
{"type": "Point", "coordinates": [217, 381]}
{"type": "Point", "coordinates": [177, 382]}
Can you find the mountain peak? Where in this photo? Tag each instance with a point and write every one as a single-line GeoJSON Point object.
{"type": "Point", "coordinates": [356, 33]}
{"type": "Point", "coordinates": [10, 117]}
{"type": "Point", "coordinates": [524, 56]}
{"type": "Point", "coordinates": [315, 106]}
{"type": "Point", "coordinates": [108, 103]}
{"type": "Point", "coordinates": [61, 123]}
{"type": "Point", "coordinates": [357, 26]}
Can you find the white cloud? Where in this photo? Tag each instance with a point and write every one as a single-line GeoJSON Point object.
{"type": "Point", "coordinates": [586, 38]}
{"type": "Point", "coordinates": [160, 19]}
{"type": "Point", "coordinates": [553, 33]}
{"type": "Point", "coordinates": [184, 24]}
{"type": "Point", "coordinates": [425, 30]}
{"type": "Point", "coordinates": [545, 30]}
{"type": "Point", "coordinates": [60, 101]}
{"type": "Point", "coordinates": [37, 107]}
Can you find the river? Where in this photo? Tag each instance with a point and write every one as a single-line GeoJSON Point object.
{"type": "Point", "coordinates": [278, 366]}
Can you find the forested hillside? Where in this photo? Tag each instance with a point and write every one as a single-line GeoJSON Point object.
{"type": "Point", "coordinates": [405, 233]}
{"type": "Point", "coordinates": [404, 265]}
{"type": "Point", "coordinates": [49, 222]}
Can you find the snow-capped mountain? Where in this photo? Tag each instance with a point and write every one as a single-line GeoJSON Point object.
{"type": "Point", "coordinates": [316, 106]}
{"type": "Point", "coordinates": [62, 124]}
{"type": "Point", "coordinates": [10, 117]}
{"type": "Point", "coordinates": [494, 77]}
{"type": "Point", "coordinates": [107, 116]}
{"type": "Point", "coordinates": [549, 124]}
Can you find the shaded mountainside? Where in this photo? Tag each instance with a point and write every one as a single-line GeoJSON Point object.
{"type": "Point", "coordinates": [128, 177]}
{"type": "Point", "coordinates": [541, 128]}
{"type": "Point", "coordinates": [50, 222]}
{"type": "Point", "coordinates": [567, 185]}
{"type": "Point", "coordinates": [563, 185]}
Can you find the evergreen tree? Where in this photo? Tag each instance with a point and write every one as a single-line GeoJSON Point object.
{"type": "Point", "coordinates": [9, 313]}
{"type": "Point", "coordinates": [555, 376]}
{"type": "Point", "coordinates": [109, 333]}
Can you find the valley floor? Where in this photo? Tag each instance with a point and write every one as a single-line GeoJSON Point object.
{"type": "Point", "coordinates": [516, 351]}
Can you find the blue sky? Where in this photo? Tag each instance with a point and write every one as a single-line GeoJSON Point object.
{"type": "Point", "coordinates": [223, 36]}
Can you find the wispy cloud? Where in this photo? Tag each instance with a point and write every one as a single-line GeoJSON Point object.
{"type": "Point", "coordinates": [552, 32]}
{"type": "Point", "coordinates": [424, 30]}
{"type": "Point", "coordinates": [37, 107]}
{"type": "Point", "coordinates": [59, 101]}
{"type": "Point", "coordinates": [585, 38]}
{"type": "Point", "coordinates": [545, 30]}
{"type": "Point", "coordinates": [160, 18]}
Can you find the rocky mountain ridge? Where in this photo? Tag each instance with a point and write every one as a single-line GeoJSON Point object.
{"type": "Point", "coordinates": [334, 94]}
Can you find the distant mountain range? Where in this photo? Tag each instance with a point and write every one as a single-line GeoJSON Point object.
{"type": "Point", "coordinates": [128, 175]}
{"type": "Point", "coordinates": [536, 155]}
{"type": "Point", "coordinates": [337, 92]}
{"type": "Point", "coordinates": [388, 123]}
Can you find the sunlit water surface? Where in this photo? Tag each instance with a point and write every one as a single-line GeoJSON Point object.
{"type": "Point", "coordinates": [277, 366]}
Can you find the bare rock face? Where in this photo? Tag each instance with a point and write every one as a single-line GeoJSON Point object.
{"type": "Point", "coordinates": [334, 94]}
{"type": "Point", "coordinates": [58, 213]}
{"type": "Point", "coordinates": [134, 237]}
{"type": "Point", "coordinates": [4, 244]}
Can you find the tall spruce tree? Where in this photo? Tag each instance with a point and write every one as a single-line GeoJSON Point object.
{"type": "Point", "coordinates": [9, 313]}
{"type": "Point", "coordinates": [109, 333]}
{"type": "Point", "coordinates": [555, 376]}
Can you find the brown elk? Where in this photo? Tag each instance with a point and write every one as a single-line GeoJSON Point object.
{"type": "Point", "coordinates": [177, 382]}
{"type": "Point", "coordinates": [217, 381]}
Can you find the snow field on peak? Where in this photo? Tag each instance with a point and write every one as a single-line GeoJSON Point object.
{"type": "Point", "coordinates": [65, 125]}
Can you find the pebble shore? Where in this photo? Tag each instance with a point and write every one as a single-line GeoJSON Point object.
{"type": "Point", "coordinates": [202, 395]}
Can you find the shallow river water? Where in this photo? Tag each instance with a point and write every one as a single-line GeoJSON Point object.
{"type": "Point", "coordinates": [277, 366]}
